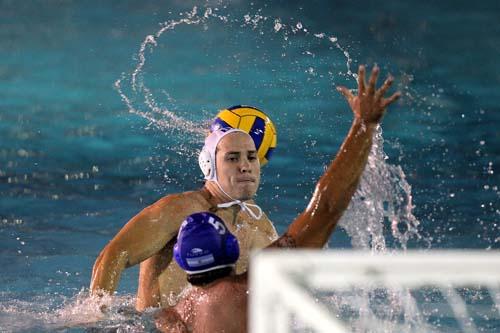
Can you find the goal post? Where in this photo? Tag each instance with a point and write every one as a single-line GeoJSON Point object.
{"type": "Point", "coordinates": [288, 289]}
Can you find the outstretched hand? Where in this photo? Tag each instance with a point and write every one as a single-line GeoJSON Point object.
{"type": "Point", "coordinates": [369, 104]}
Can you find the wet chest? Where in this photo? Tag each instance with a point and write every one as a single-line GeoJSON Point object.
{"type": "Point", "coordinates": [245, 230]}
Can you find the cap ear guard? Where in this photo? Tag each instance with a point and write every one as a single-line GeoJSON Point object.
{"type": "Point", "coordinates": [232, 248]}
{"type": "Point", "coordinates": [178, 257]}
{"type": "Point", "coordinates": [206, 159]}
{"type": "Point", "coordinates": [207, 164]}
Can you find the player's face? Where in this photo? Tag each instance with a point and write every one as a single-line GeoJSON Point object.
{"type": "Point", "coordinates": [237, 164]}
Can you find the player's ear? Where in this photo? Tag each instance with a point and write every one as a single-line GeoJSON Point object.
{"type": "Point", "coordinates": [207, 165]}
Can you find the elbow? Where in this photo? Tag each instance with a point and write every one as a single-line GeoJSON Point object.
{"type": "Point", "coordinates": [107, 269]}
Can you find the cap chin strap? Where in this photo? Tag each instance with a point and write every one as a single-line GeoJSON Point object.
{"type": "Point", "coordinates": [243, 205]}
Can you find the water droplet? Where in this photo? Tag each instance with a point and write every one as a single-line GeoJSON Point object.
{"type": "Point", "coordinates": [277, 25]}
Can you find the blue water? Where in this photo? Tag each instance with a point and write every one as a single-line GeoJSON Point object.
{"type": "Point", "coordinates": [75, 164]}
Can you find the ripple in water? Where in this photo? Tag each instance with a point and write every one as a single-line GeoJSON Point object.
{"type": "Point", "coordinates": [76, 314]}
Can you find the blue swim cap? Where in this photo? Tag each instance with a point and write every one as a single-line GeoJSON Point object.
{"type": "Point", "coordinates": [204, 244]}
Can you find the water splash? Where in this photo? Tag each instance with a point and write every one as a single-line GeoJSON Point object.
{"type": "Point", "coordinates": [141, 100]}
{"type": "Point", "coordinates": [383, 198]}
{"type": "Point", "coordinates": [160, 117]}
{"type": "Point", "coordinates": [51, 313]}
{"type": "Point", "coordinates": [167, 114]}
{"type": "Point", "coordinates": [382, 201]}
{"type": "Point", "coordinates": [384, 195]}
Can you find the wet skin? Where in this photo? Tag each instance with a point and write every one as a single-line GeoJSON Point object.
{"type": "Point", "coordinates": [311, 229]}
{"type": "Point", "coordinates": [148, 238]}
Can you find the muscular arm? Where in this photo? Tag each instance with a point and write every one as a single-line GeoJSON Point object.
{"type": "Point", "coordinates": [144, 235]}
{"type": "Point", "coordinates": [333, 192]}
{"type": "Point", "coordinates": [148, 290]}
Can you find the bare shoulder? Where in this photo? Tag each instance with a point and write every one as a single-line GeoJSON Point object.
{"type": "Point", "coordinates": [172, 209]}
{"type": "Point", "coordinates": [232, 290]}
{"type": "Point", "coordinates": [169, 320]}
{"type": "Point", "coordinates": [224, 299]}
{"type": "Point", "coordinates": [228, 302]}
{"type": "Point", "coordinates": [179, 201]}
{"type": "Point", "coordinates": [152, 228]}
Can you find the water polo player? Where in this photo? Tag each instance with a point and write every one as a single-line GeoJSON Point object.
{"type": "Point", "coordinates": [230, 161]}
{"type": "Point", "coordinates": [205, 248]}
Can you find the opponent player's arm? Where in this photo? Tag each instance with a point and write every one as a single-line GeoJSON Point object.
{"type": "Point", "coordinates": [333, 192]}
{"type": "Point", "coordinates": [144, 235]}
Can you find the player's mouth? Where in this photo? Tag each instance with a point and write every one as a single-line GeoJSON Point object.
{"type": "Point", "coordinates": [245, 180]}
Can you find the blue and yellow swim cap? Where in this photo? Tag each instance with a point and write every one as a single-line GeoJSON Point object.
{"type": "Point", "coordinates": [252, 121]}
{"type": "Point", "coordinates": [204, 244]}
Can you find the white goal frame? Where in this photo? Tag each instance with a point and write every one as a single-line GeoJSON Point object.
{"type": "Point", "coordinates": [278, 279]}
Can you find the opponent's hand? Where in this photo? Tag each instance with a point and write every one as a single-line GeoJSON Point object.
{"type": "Point", "coordinates": [369, 104]}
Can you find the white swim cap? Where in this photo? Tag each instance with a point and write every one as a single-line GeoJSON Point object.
{"type": "Point", "coordinates": [206, 158]}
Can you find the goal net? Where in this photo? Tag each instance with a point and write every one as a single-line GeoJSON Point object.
{"type": "Point", "coordinates": [351, 291]}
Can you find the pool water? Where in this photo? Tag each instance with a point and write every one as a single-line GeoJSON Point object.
{"type": "Point", "coordinates": [91, 133]}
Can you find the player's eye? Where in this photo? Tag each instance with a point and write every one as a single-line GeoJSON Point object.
{"type": "Point", "coordinates": [252, 156]}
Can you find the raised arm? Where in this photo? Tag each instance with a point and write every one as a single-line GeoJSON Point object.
{"type": "Point", "coordinates": [142, 237]}
{"type": "Point", "coordinates": [333, 192]}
